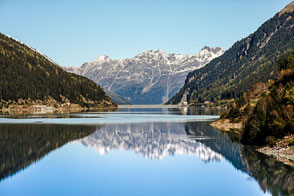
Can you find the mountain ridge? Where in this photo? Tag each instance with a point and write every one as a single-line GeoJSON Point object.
{"type": "Point", "coordinates": [288, 8]}
{"type": "Point", "coordinates": [250, 60]}
{"type": "Point", "coordinates": [151, 77]}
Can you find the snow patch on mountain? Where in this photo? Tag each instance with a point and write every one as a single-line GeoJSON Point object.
{"type": "Point", "coordinates": [151, 77]}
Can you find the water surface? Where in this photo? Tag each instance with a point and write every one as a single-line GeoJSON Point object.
{"type": "Point", "coordinates": [132, 152]}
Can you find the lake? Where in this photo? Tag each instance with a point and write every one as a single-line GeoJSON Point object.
{"type": "Point", "coordinates": [132, 151]}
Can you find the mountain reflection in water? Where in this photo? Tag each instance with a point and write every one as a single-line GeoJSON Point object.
{"type": "Point", "coordinates": [23, 144]}
{"type": "Point", "coordinates": [152, 140]}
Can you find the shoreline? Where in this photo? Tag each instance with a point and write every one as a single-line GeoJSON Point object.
{"type": "Point", "coordinates": [45, 109]}
{"type": "Point", "coordinates": [283, 150]}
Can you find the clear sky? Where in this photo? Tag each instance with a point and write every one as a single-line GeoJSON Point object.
{"type": "Point", "coordinates": [72, 32]}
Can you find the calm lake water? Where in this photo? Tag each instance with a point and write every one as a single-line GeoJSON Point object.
{"type": "Point", "coordinates": [132, 152]}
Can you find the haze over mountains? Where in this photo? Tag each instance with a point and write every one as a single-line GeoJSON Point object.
{"type": "Point", "coordinates": [151, 77]}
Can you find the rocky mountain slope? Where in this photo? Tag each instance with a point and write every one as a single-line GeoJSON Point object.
{"type": "Point", "coordinates": [119, 100]}
{"type": "Point", "coordinates": [251, 60]}
{"type": "Point", "coordinates": [151, 77]}
{"type": "Point", "coordinates": [29, 77]}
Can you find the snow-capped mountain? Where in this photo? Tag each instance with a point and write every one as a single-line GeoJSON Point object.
{"type": "Point", "coordinates": [151, 140]}
{"type": "Point", "coordinates": [151, 77]}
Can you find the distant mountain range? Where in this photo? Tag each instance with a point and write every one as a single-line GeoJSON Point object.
{"type": "Point", "coordinates": [151, 77]}
{"type": "Point", "coordinates": [30, 77]}
{"type": "Point", "coordinates": [251, 60]}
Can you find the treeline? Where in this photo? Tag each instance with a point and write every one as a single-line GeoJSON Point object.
{"type": "Point", "coordinates": [26, 74]}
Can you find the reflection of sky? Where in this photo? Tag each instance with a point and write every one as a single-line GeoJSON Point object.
{"type": "Point", "coordinates": [79, 171]}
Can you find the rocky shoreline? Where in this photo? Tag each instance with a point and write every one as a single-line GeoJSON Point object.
{"type": "Point", "coordinates": [283, 150]}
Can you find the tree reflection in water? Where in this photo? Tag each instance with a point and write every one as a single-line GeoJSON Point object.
{"type": "Point", "coordinates": [21, 145]}
{"type": "Point", "coordinates": [271, 174]}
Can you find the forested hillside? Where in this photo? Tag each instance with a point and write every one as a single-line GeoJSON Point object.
{"type": "Point", "coordinates": [251, 60]}
{"type": "Point", "coordinates": [267, 111]}
{"type": "Point", "coordinates": [28, 75]}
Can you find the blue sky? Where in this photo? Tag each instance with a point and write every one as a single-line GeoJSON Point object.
{"type": "Point", "coordinates": [72, 32]}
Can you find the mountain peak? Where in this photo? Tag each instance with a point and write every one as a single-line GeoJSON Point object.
{"type": "Point", "coordinates": [206, 48]}
{"type": "Point", "coordinates": [211, 49]}
{"type": "Point", "coordinates": [155, 52]}
{"type": "Point", "coordinates": [101, 58]}
{"type": "Point", "coordinates": [151, 53]}
{"type": "Point", "coordinates": [210, 52]}
{"type": "Point", "coordinates": [288, 8]}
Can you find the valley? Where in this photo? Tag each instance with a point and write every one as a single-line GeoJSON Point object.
{"type": "Point", "coordinates": [102, 111]}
